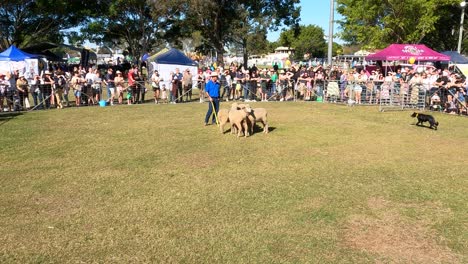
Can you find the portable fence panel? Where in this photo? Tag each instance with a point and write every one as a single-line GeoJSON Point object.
{"type": "Point", "coordinates": [337, 91]}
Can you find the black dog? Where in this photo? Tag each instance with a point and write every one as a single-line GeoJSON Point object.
{"type": "Point", "coordinates": [425, 118]}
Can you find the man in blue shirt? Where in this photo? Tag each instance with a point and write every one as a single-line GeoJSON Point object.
{"type": "Point", "coordinates": [212, 94]}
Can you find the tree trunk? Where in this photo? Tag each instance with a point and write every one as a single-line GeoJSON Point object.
{"type": "Point", "coordinates": [244, 52]}
{"type": "Point", "coordinates": [219, 54]}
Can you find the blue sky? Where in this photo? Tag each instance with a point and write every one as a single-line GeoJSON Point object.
{"type": "Point", "coordinates": [313, 12]}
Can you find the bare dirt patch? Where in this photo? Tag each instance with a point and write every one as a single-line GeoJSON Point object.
{"type": "Point", "coordinates": [387, 233]}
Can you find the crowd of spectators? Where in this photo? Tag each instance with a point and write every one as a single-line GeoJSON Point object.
{"type": "Point", "coordinates": [438, 89]}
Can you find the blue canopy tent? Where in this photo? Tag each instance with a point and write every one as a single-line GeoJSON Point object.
{"type": "Point", "coordinates": [174, 56]}
{"type": "Point", "coordinates": [15, 54]}
{"type": "Point", "coordinates": [456, 57]}
{"type": "Point", "coordinates": [460, 61]}
{"type": "Point", "coordinates": [168, 61]}
{"type": "Point", "coordinates": [14, 59]}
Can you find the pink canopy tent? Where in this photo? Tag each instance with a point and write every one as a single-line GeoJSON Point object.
{"type": "Point", "coordinates": [402, 52]}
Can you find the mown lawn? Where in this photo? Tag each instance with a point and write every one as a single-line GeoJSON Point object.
{"type": "Point", "coordinates": [150, 183]}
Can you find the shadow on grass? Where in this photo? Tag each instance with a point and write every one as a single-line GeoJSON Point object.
{"type": "Point", "coordinates": [428, 127]}
{"type": "Point", "coordinates": [7, 116]}
{"type": "Point", "coordinates": [257, 129]}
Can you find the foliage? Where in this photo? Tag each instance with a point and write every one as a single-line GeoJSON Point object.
{"type": "Point", "coordinates": [140, 26]}
{"type": "Point", "coordinates": [376, 23]}
{"type": "Point", "coordinates": [240, 23]}
{"type": "Point", "coordinates": [257, 43]}
{"type": "Point", "coordinates": [135, 25]}
{"type": "Point", "coordinates": [306, 40]}
{"type": "Point", "coordinates": [445, 37]}
{"type": "Point", "coordinates": [26, 22]}
{"type": "Point", "coordinates": [337, 49]}
{"type": "Point", "coordinates": [271, 46]}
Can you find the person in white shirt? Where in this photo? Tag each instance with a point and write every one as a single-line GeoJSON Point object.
{"type": "Point", "coordinates": [155, 84]}
{"type": "Point", "coordinates": [360, 82]}
{"type": "Point", "coordinates": [88, 91]}
{"type": "Point", "coordinates": [97, 86]}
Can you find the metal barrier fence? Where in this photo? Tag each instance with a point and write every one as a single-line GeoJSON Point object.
{"type": "Point", "coordinates": [391, 95]}
{"type": "Point", "coordinates": [381, 93]}
{"type": "Point", "coordinates": [387, 95]}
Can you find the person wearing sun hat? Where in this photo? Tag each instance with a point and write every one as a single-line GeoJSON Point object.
{"type": "Point", "coordinates": [119, 82]}
{"type": "Point", "coordinates": [212, 93]}
{"type": "Point", "coordinates": [47, 83]}
{"type": "Point", "coordinates": [187, 83]}
{"type": "Point", "coordinates": [76, 84]}
{"type": "Point", "coordinates": [22, 87]}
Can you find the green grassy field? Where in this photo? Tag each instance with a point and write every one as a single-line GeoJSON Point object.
{"type": "Point", "coordinates": [150, 183]}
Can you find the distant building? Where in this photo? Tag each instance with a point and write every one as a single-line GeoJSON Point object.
{"type": "Point", "coordinates": [285, 50]}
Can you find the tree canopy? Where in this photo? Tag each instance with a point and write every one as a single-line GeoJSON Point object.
{"type": "Point", "coordinates": [25, 22]}
{"type": "Point", "coordinates": [242, 23]}
{"type": "Point", "coordinates": [377, 23]}
{"type": "Point", "coordinates": [140, 26]}
{"type": "Point", "coordinates": [306, 40]}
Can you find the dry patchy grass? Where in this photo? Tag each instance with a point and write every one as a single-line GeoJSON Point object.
{"type": "Point", "coordinates": [391, 236]}
{"type": "Point", "coordinates": [150, 183]}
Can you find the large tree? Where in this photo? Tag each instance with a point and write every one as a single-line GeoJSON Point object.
{"type": "Point", "coordinates": [305, 40]}
{"type": "Point", "coordinates": [445, 37]}
{"type": "Point", "coordinates": [137, 26]}
{"type": "Point", "coordinates": [26, 22]}
{"type": "Point", "coordinates": [377, 23]}
{"type": "Point", "coordinates": [223, 22]}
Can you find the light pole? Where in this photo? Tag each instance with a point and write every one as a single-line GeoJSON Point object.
{"type": "Point", "coordinates": [330, 34]}
{"type": "Point", "coordinates": [460, 36]}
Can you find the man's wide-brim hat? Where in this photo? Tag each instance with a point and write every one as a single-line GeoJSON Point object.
{"type": "Point", "coordinates": [214, 74]}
